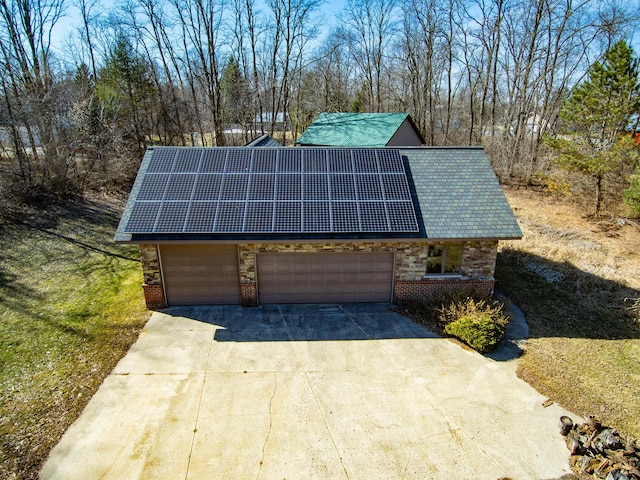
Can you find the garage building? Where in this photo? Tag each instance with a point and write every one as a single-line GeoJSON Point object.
{"type": "Point", "coordinates": [267, 225]}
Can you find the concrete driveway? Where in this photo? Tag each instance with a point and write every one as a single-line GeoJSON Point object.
{"type": "Point", "coordinates": [309, 391]}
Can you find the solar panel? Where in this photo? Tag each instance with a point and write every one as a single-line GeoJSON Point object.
{"type": "Point", "coordinates": [315, 160]}
{"type": "Point", "coordinates": [238, 161]}
{"type": "Point", "coordinates": [373, 217]}
{"type": "Point", "coordinates": [163, 160]}
{"type": "Point", "coordinates": [390, 161]}
{"type": "Point", "coordinates": [201, 217]}
{"type": "Point", "coordinates": [288, 186]}
{"type": "Point", "coordinates": [340, 161]}
{"type": "Point", "coordinates": [207, 186]}
{"type": "Point", "coordinates": [264, 161]}
{"type": "Point", "coordinates": [316, 217]}
{"type": "Point", "coordinates": [315, 187]}
{"type": "Point", "coordinates": [402, 216]}
{"type": "Point", "coordinates": [345, 217]}
{"type": "Point", "coordinates": [143, 217]}
{"type": "Point", "coordinates": [342, 187]}
{"type": "Point", "coordinates": [171, 217]}
{"type": "Point", "coordinates": [365, 161]}
{"type": "Point", "coordinates": [369, 187]}
{"type": "Point", "coordinates": [259, 217]}
{"type": "Point", "coordinates": [396, 187]}
{"type": "Point", "coordinates": [288, 217]}
{"type": "Point", "coordinates": [153, 186]}
{"type": "Point", "coordinates": [180, 186]}
{"type": "Point", "coordinates": [234, 187]}
{"type": "Point", "coordinates": [284, 190]}
{"type": "Point", "coordinates": [290, 160]}
{"type": "Point", "coordinates": [213, 160]}
{"type": "Point", "coordinates": [261, 186]}
{"type": "Point", "coordinates": [188, 160]}
{"type": "Point", "coordinates": [230, 217]}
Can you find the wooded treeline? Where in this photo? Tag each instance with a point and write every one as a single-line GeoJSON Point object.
{"type": "Point", "coordinates": [77, 113]}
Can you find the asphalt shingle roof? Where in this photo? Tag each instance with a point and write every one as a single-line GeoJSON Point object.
{"type": "Point", "coordinates": [353, 129]}
{"type": "Point", "coordinates": [455, 192]}
{"type": "Point", "coordinates": [459, 195]}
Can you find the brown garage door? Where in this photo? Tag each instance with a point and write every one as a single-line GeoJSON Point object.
{"type": "Point", "coordinates": [200, 274]}
{"type": "Point", "coordinates": [325, 277]}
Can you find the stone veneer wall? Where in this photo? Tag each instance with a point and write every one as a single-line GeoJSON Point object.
{"type": "Point", "coordinates": [152, 286]}
{"type": "Point", "coordinates": [477, 268]}
{"type": "Point", "coordinates": [479, 259]}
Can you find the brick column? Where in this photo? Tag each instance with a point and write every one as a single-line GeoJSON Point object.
{"type": "Point", "coordinates": [249, 294]}
{"type": "Point", "coordinates": [152, 286]}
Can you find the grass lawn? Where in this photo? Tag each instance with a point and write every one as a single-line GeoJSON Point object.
{"type": "Point", "coordinates": [577, 282]}
{"type": "Point", "coordinates": [70, 307]}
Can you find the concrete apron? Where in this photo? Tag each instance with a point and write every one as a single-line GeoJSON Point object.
{"type": "Point", "coordinates": [309, 391]}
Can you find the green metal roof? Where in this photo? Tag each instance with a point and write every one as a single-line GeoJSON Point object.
{"type": "Point", "coordinates": [353, 129]}
{"type": "Point", "coordinates": [458, 194]}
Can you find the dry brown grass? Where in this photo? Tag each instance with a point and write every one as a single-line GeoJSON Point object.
{"type": "Point", "coordinates": [578, 281]}
{"type": "Point", "coordinates": [561, 231]}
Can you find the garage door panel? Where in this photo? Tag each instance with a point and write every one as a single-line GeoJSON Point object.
{"type": "Point", "coordinates": [200, 274]}
{"type": "Point", "coordinates": [325, 277]}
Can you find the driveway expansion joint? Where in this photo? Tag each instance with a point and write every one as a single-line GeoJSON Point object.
{"type": "Point", "coordinates": [266, 437]}
{"type": "Point", "coordinates": [351, 391]}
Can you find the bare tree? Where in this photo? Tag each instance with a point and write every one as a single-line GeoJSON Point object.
{"type": "Point", "coordinates": [33, 104]}
{"type": "Point", "coordinates": [200, 22]}
{"type": "Point", "coordinates": [372, 27]}
{"type": "Point", "coordinates": [88, 15]}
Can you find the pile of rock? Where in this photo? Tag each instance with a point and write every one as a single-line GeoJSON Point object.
{"type": "Point", "coordinates": [600, 452]}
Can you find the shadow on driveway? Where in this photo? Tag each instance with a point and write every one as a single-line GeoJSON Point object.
{"type": "Point", "coordinates": [332, 322]}
{"type": "Point", "coordinates": [348, 392]}
{"type": "Point", "coordinates": [285, 323]}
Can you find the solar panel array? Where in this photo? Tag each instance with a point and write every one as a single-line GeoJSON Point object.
{"type": "Point", "coordinates": [287, 190]}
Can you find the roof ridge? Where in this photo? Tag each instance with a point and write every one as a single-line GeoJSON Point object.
{"type": "Point", "coordinates": [333, 147]}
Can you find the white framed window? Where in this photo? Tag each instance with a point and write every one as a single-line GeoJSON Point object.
{"type": "Point", "coordinates": [444, 259]}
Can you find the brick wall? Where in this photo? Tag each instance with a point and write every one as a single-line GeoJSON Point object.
{"type": "Point", "coordinates": [477, 268]}
{"type": "Point", "coordinates": [478, 258]}
{"type": "Point", "coordinates": [152, 286]}
{"type": "Point", "coordinates": [154, 296]}
{"type": "Point", "coordinates": [247, 253]}
{"type": "Point", "coordinates": [249, 294]}
{"type": "Point", "coordinates": [406, 291]}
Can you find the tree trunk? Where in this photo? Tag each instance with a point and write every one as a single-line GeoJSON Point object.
{"type": "Point", "coordinates": [598, 194]}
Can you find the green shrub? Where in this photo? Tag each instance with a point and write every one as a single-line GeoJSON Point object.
{"type": "Point", "coordinates": [477, 323]}
{"type": "Point", "coordinates": [632, 195]}
{"type": "Point", "coordinates": [466, 314]}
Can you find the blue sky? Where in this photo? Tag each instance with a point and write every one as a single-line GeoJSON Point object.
{"type": "Point", "coordinates": [72, 21]}
{"type": "Point", "coordinates": [329, 11]}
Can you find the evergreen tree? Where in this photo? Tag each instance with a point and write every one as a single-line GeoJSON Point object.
{"type": "Point", "coordinates": [359, 103]}
{"type": "Point", "coordinates": [126, 92]}
{"type": "Point", "coordinates": [603, 105]}
{"type": "Point", "coordinates": [598, 112]}
{"type": "Point", "coordinates": [235, 94]}
{"type": "Point", "coordinates": [632, 195]}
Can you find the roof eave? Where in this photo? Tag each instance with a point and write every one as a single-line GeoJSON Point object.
{"type": "Point", "coordinates": [212, 240]}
